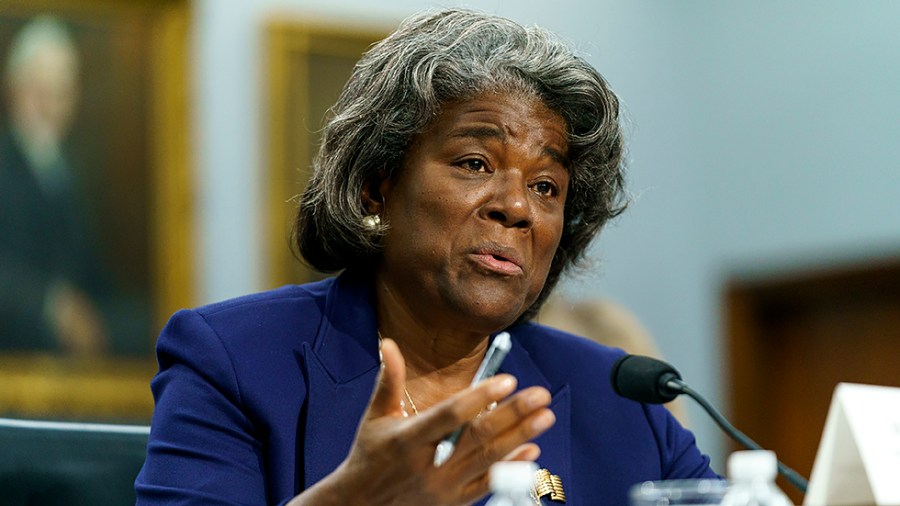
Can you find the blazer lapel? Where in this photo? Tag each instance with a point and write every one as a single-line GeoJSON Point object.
{"type": "Point", "coordinates": [340, 368]}
{"type": "Point", "coordinates": [555, 450]}
{"type": "Point", "coordinates": [333, 412]}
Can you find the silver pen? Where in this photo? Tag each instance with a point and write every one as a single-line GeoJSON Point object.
{"type": "Point", "coordinates": [489, 366]}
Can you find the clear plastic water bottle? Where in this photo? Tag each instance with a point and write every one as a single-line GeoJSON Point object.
{"type": "Point", "coordinates": [512, 483]}
{"type": "Point", "coordinates": [752, 476]}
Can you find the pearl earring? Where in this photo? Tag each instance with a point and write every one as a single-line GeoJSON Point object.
{"type": "Point", "coordinates": [371, 222]}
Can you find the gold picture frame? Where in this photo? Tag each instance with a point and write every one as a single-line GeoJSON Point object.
{"type": "Point", "coordinates": [308, 63]}
{"type": "Point", "coordinates": [151, 36]}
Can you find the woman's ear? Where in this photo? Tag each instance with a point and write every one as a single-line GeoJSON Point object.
{"type": "Point", "coordinates": [372, 194]}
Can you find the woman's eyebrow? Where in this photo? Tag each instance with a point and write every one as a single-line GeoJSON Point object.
{"type": "Point", "coordinates": [555, 155]}
{"type": "Point", "coordinates": [479, 132]}
{"type": "Point", "coordinates": [488, 132]}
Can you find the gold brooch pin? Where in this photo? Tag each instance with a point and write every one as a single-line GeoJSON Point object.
{"type": "Point", "coordinates": [546, 484]}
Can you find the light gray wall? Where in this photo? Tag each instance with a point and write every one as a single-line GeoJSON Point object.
{"type": "Point", "coordinates": [763, 136]}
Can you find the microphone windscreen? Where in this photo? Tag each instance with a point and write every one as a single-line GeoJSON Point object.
{"type": "Point", "coordinates": [643, 379]}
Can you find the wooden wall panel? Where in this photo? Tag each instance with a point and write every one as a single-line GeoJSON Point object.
{"type": "Point", "coordinates": [791, 339]}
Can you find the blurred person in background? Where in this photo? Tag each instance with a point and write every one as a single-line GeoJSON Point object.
{"type": "Point", "coordinates": [50, 275]}
{"type": "Point", "coordinates": [610, 324]}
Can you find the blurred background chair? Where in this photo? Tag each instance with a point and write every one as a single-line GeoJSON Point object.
{"type": "Point", "coordinates": [55, 463]}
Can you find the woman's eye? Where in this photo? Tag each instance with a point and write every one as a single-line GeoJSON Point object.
{"type": "Point", "coordinates": [545, 188]}
{"type": "Point", "coordinates": [474, 165]}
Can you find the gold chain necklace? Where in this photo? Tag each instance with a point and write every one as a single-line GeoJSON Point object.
{"type": "Point", "coordinates": [405, 391]}
{"type": "Point", "coordinates": [409, 398]}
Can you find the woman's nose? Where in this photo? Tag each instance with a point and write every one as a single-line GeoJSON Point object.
{"type": "Point", "coordinates": [509, 204]}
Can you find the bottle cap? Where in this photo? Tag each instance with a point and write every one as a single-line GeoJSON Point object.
{"type": "Point", "coordinates": [752, 465]}
{"type": "Point", "coordinates": [512, 476]}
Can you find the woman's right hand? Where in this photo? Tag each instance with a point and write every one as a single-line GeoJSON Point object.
{"type": "Point", "coordinates": [391, 461]}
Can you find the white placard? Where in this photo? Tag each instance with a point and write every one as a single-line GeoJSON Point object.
{"type": "Point", "coordinates": [858, 461]}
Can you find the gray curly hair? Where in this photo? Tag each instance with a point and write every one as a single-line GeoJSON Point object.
{"type": "Point", "coordinates": [399, 87]}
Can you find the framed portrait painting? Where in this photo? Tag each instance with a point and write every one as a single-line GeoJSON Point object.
{"type": "Point", "coordinates": [95, 202]}
{"type": "Point", "coordinates": [308, 63]}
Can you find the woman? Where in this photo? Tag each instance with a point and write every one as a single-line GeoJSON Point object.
{"type": "Point", "coordinates": [468, 163]}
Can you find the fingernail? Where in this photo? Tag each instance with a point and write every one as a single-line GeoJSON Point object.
{"type": "Point", "coordinates": [543, 421]}
{"type": "Point", "coordinates": [504, 385]}
{"type": "Point", "coordinates": [536, 399]}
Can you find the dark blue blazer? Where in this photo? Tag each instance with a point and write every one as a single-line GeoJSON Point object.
{"type": "Point", "coordinates": [259, 397]}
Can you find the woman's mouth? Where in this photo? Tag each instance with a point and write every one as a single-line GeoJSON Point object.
{"type": "Point", "coordinates": [503, 262]}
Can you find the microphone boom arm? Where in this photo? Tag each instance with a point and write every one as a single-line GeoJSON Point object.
{"type": "Point", "coordinates": [680, 386]}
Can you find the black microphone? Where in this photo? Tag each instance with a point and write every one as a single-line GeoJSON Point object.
{"type": "Point", "coordinates": [653, 381]}
{"type": "Point", "coordinates": [644, 379]}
